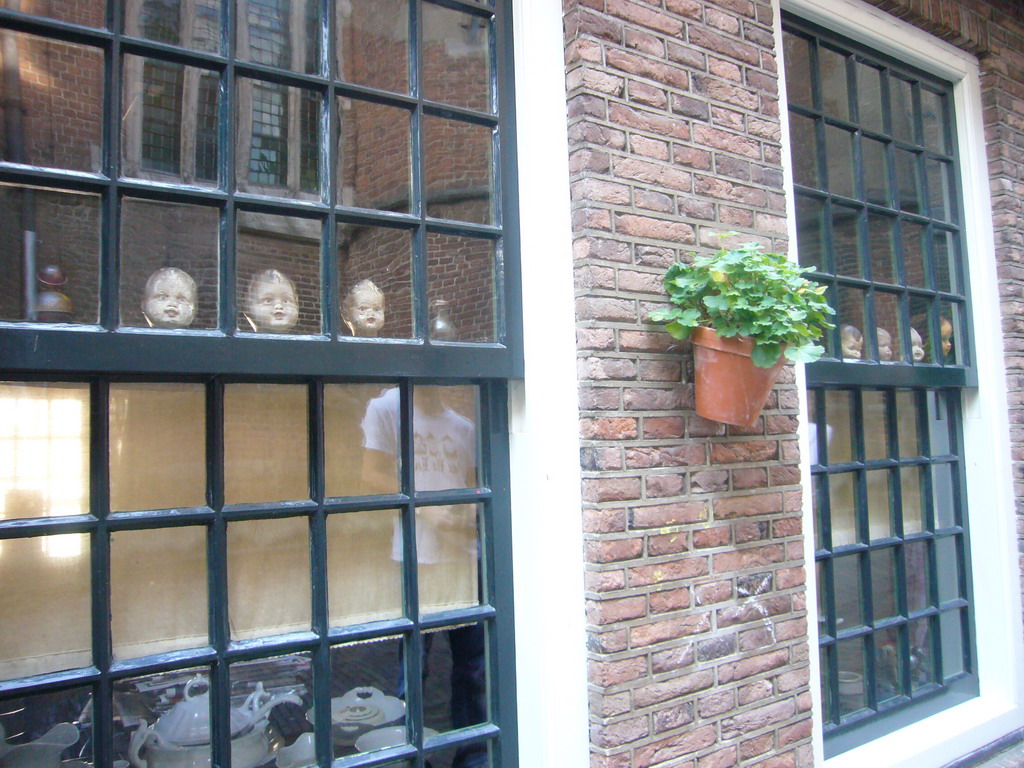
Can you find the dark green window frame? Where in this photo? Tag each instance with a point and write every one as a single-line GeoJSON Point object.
{"type": "Point", "coordinates": [105, 353]}
{"type": "Point", "coordinates": [896, 627]}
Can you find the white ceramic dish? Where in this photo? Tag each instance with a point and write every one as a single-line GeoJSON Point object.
{"type": "Point", "coordinates": [382, 738]}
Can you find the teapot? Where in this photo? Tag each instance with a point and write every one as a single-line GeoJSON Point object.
{"type": "Point", "coordinates": [44, 752]}
{"type": "Point", "coordinates": [180, 738]}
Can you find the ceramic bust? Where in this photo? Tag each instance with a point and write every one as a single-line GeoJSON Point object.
{"type": "Point", "coordinates": [170, 299]}
{"type": "Point", "coordinates": [852, 342]}
{"type": "Point", "coordinates": [271, 305]}
{"type": "Point", "coordinates": [362, 309]}
{"type": "Point", "coordinates": [916, 345]}
{"type": "Point", "coordinates": [884, 344]}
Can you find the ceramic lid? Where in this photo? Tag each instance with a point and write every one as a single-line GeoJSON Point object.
{"type": "Point", "coordinates": [188, 721]}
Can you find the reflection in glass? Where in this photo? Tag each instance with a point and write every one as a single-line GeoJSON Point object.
{"type": "Point", "coordinates": [832, 76]}
{"type": "Point", "coordinates": [350, 469]}
{"type": "Point", "coordinates": [826, 663]}
{"type": "Point", "coordinates": [845, 241]}
{"type": "Point", "coordinates": [798, 69]}
{"type": "Point", "coordinates": [944, 496]}
{"type": "Point", "coordinates": [157, 237]}
{"type": "Point", "coordinates": [875, 166]}
{"type": "Point", "coordinates": [375, 156]}
{"type": "Point", "coordinates": [280, 33]}
{"type": "Point", "coordinates": [843, 493]}
{"type": "Point", "coordinates": [456, 65]}
{"type": "Point", "coordinates": [889, 332]}
{"type": "Point", "coordinates": [849, 602]}
{"type": "Point", "coordinates": [850, 656]}
{"type": "Point", "coordinates": [910, 488]}
{"type": "Point", "coordinates": [933, 116]}
{"type": "Point", "coordinates": [944, 246]}
{"type": "Point", "coordinates": [879, 516]}
{"type": "Point", "coordinates": [462, 191]}
{"type": "Point", "coordinates": [278, 273]}
{"type": "Point", "coordinates": [881, 230]}
{"type": "Point", "coordinates": [839, 156]}
{"type": "Point", "coordinates": [364, 578]}
{"type": "Point", "coordinates": [461, 273]}
{"type": "Point", "coordinates": [447, 552]}
{"type": "Point", "coordinates": [383, 255]}
{"type": "Point", "coordinates": [869, 96]}
{"type": "Point", "coordinates": [940, 424]}
{"type": "Point", "coordinates": [840, 445]}
{"type": "Point", "coordinates": [373, 47]}
{"type": "Point", "coordinates": [456, 681]}
{"type": "Point", "coordinates": [902, 109]}
{"type": "Point", "coordinates": [888, 664]}
{"type": "Point", "coordinates": [265, 443]}
{"type": "Point", "coordinates": [283, 687]}
{"type": "Point", "coordinates": [169, 123]}
{"type": "Point", "coordinates": [47, 624]}
{"type": "Point", "coordinates": [949, 568]}
{"type": "Point", "coordinates": [810, 233]}
{"type": "Point", "coordinates": [874, 425]}
{"type": "Point", "coordinates": [918, 572]}
{"type": "Point", "coordinates": [44, 450]}
{"type": "Point", "coordinates": [906, 421]}
{"type": "Point", "coordinates": [883, 583]}
{"type": "Point", "coordinates": [922, 671]}
{"type": "Point", "coordinates": [907, 180]}
{"type": "Point", "coordinates": [940, 189]}
{"type": "Point", "coordinates": [949, 330]}
{"type": "Point", "coordinates": [59, 112]}
{"type": "Point", "coordinates": [268, 577]}
{"type": "Point", "coordinates": [158, 609]}
{"type": "Point", "coordinates": [169, 21]}
{"type": "Point", "coordinates": [921, 321]}
{"type": "Point", "coordinates": [803, 143]}
{"type": "Point", "coordinates": [951, 630]}
{"type": "Point", "coordinates": [850, 311]}
{"type": "Point", "coordinates": [446, 440]}
{"type": "Point", "coordinates": [44, 728]}
{"type": "Point", "coordinates": [444, 757]}
{"type": "Point", "coordinates": [157, 446]}
{"type": "Point", "coordinates": [67, 237]}
{"type": "Point", "coordinates": [368, 690]}
{"type": "Point", "coordinates": [914, 253]}
{"type": "Point", "coordinates": [278, 139]}
{"type": "Point", "coordinates": [819, 487]}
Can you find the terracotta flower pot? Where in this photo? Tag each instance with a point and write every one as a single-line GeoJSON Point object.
{"type": "Point", "coordinates": [730, 388]}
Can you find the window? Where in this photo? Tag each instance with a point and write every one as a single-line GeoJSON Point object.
{"type": "Point", "coordinates": [879, 218]}
{"type": "Point", "coordinates": [255, 444]}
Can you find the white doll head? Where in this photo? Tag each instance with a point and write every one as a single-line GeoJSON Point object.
{"type": "Point", "coordinates": [272, 305]}
{"type": "Point", "coordinates": [362, 309]}
{"type": "Point", "coordinates": [170, 298]}
{"type": "Point", "coordinates": [916, 345]}
{"type": "Point", "coordinates": [884, 344]}
{"type": "Point", "coordinates": [852, 342]}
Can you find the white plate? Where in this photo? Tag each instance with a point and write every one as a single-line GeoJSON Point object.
{"type": "Point", "coordinates": [382, 738]}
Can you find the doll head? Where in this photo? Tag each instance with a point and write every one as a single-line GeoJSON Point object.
{"type": "Point", "coordinates": [272, 306]}
{"type": "Point", "coordinates": [362, 309]}
{"type": "Point", "coordinates": [170, 298]}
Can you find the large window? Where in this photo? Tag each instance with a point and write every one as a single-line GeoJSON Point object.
{"type": "Point", "coordinates": [879, 218]}
{"type": "Point", "coordinates": [257, 320]}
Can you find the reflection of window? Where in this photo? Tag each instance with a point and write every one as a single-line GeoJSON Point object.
{"type": "Point", "coordinates": [884, 233]}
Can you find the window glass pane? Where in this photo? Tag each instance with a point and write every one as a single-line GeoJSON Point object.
{"type": "Point", "coordinates": [950, 325]}
{"type": "Point", "coordinates": [47, 618]}
{"type": "Point", "coordinates": [837, 406]}
{"type": "Point", "coordinates": [902, 109]}
{"type": "Point", "coordinates": [266, 446]}
{"type": "Point", "coordinates": [364, 573]}
{"type": "Point", "coordinates": [907, 181]}
{"type": "Point", "coordinates": [850, 318]}
{"type": "Point", "coordinates": [456, 681]}
{"type": "Point", "coordinates": [60, 107]}
{"type": "Point", "coordinates": [368, 689]}
{"type": "Point", "coordinates": [803, 150]}
{"type": "Point", "coordinates": [943, 492]}
{"type": "Point", "coordinates": [460, 190]}
{"type": "Point", "coordinates": [373, 43]}
{"type": "Point", "coordinates": [843, 494]}
{"type": "Point", "coordinates": [849, 601]}
{"type": "Point", "coordinates": [839, 158]}
{"type": "Point", "coordinates": [922, 660]}
{"type": "Point", "coordinates": [883, 583]}
{"type": "Point", "coordinates": [461, 288]}
{"type": "Point", "coordinates": [352, 466]}
{"type": "Point", "coordinates": [169, 264]}
{"type": "Point", "coordinates": [456, 64]}
{"type": "Point", "coordinates": [940, 189]}
{"type": "Point", "coordinates": [268, 577]}
{"type": "Point", "coordinates": [67, 252]}
{"type": "Point", "coordinates": [798, 69]}
{"type": "Point", "coordinates": [282, 687]}
{"type": "Point", "coordinates": [51, 718]}
{"type": "Point", "coordinates": [827, 663]}
{"type": "Point", "coordinates": [879, 516]}
{"type": "Point", "coordinates": [190, 23]}
{"type": "Point", "coordinates": [280, 33]}
{"type": "Point", "coordinates": [158, 590]}
{"type": "Point", "coordinates": [875, 169]}
{"type": "Point", "coordinates": [944, 249]}
{"type": "Point", "coordinates": [889, 664]}
{"type": "Point", "coordinates": [819, 488]}
{"type": "Point", "coordinates": [845, 241]}
{"type": "Point", "coordinates": [906, 423]}
{"type": "Point", "coordinates": [446, 441]}
{"type": "Point", "coordinates": [869, 96]}
{"type": "Point", "coordinates": [949, 568]}
{"type": "Point", "coordinates": [278, 273]}
{"type": "Point", "coordinates": [913, 253]}
{"type": "Point", "coordinates": [376, 281]}
{"type": "Point", "coordinates": [835, 99]}
{"type": "Point", "coordinates": [873, 426]}
{"type": "Point", "coordinates": [375, 156]}
{"type": "Point", "coordinates": [447, 552]}
{"type": "Point", "coordinates": [157, 446]}
{"type": "Point", "coordinates": [918, 570]}
{"type": "Point", "coordinates": [850, 655]}
{"type": "Point", "coordinates": [921, 324]}
{"type": "Point", "coordinates": [811, 232]}
{"type": "Point", "coordinates": [951, 629]}
{"type": "Point", "coordinates": [910, 488]}
{"type": "Point", "coordinates": [938, 424]}
{"type": "Point", "coordinates": [44, 449]}
{"type": "Point", "coordinates": [881, 229]}
{"type": "Point", "coordinates": [934, 118]}
{"type": "Point", "coordinates": [889, 330]}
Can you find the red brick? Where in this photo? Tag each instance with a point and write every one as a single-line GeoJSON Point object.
{"type": "Point", "coordinates": [686, 743]}
{"type": "Point", "coordinates": [715, 592]}
{"type": "Point", "coordinates": [661, 515]}
{"type": "Point", "coordinates": [661, 427]}
{"type": "Point", "coordinates": [758, 718]}
{"type": "Point", "coordinates": [604, 520]}
{"type": "Point", "coordinates": [728, 562]}
{"type": "Point", "coordinates": [662, 486]}
{"type": "Point", "coordinates": [711, 537]}
{"type": "Point", "coordinates": [617, 734]}
{"type": "Point", "coordinates": [609, 673]}
{"type": "Point", "coordinates": [656, 693]}
{"type": "Point", "coordinates": [611, 611]}
{"type": "Point", "coordinates": [665, 456]}
{"type": "Point", "coordinates": [667, 544]}
{"type": "Point", "coordinates": [613, 550]}
{"type": "Point", "coordinates": [669, 629]}
{"type": "Point", "coordinates": [671, 660]}
{"type": "Point", "coordinates": [755, 665]}
{"type": "Point", "coordinates": [611, 489]}
{"type": "Point", "coordinates": [669, 600]}
{"type": "Point", "coordinates": [685, 568]}
{"type": "Point", "coordinates": [747, 506]}
{"type": "Point", "coordinates": [619, 428]}
{"type": "Point", "coordinates": [723, 758]}
{"type": "Point", "coordinates": [748, 451]}
{"type": "Point", "coordinates": [604, 581]}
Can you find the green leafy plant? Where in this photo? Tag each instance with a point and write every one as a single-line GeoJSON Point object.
{"type": "Point", "coordinates": [746, 292]}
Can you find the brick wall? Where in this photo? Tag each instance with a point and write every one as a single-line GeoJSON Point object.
{"type": "Point", "coordinates": [696, 604]}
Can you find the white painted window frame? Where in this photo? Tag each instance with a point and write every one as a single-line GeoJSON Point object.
{"type": "Point", "coordinates": [999, 709]}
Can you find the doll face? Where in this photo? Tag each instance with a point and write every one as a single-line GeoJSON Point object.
{"type": "Point", "coordinates": [273, 307]}
{"type": "Point", "coordinates": [852, 342]}
{"type": "Point", "coordinates": [916, 345]}
{"type": "Point", "coordinates": [884, 345]}
{"type": "Point", "coordinates": [364, 311]}
{"type": "Point", "coordinates": [946, 331]}
{"type": "Point", "coordinates": [170, 300]}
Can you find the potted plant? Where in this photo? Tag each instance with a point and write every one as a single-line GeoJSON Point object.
{"type": "Point", "coordinates": [748, 312]}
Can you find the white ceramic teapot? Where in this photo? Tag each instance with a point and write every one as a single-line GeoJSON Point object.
{"type": "Point", "coordinates": [180, 738]}
{"type": "Point", "coordinates": [44, 752]}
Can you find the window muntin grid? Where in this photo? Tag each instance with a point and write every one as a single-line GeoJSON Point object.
{"type": "Point", "coordinates": [895, 631]}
